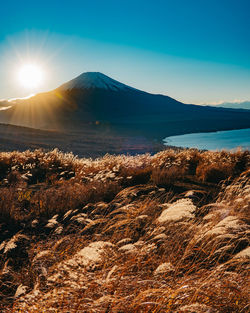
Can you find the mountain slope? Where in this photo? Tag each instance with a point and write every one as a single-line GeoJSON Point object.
{"type": "Point", "coordinates": [86, 142]}
{"type": "Point", "coordinates": [94, 98]}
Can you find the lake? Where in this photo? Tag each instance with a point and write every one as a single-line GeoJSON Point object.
{"type": "Point", "coordinates": [229, 139]}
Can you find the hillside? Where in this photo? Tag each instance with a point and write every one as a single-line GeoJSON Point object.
{"type": "Point", "coordinates": [85, 142]}
{"type": "Point", "coordinates": [161, 233]}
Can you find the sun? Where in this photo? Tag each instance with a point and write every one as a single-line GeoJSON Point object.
{"type": "Point", "coordinates": [30, 76]}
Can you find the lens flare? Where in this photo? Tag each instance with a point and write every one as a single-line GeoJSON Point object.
{"type": "Point", "coordinates": [30, 76]}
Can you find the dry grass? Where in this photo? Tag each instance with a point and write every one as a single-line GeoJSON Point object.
{"type": "Point", "coordinates": [54, 207]}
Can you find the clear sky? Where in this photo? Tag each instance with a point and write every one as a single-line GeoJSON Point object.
{"type": "Point", "coordinates": [197, 51]}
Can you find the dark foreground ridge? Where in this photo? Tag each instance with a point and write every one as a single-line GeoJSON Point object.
{"type": "Point", "coordinates": [161, 233]}
{"type": "Point", "coordinates": [90, 141]}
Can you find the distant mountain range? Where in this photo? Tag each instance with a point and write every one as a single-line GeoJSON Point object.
{"type": "Point", "coordinates": [98, 100]}
{"type": "Point", "coordinates": [235, 105]}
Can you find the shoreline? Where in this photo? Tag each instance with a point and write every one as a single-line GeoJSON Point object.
{"type": "Point", "coordinates": [219, 140]}
{"type": "Point", "coordinates": [89, 141]}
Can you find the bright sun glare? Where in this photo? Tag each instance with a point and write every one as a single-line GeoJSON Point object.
{"type": "Point", "coordinates": [30, 76]}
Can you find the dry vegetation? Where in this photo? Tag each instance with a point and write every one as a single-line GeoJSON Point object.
{"type": "Point", "coordinates": [161, 233]}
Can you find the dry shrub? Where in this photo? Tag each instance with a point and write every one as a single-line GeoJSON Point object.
{"type": "Point", "coordinates": [192, 160]}
{"type": "Point", "coordinates": [14, 178]}
{"type": "Point", "coordinates": [168, 176]}
{"type": "Point", "coordinates": [135, 176]}
{"type": "Point", "coordinates": [214, 173]}
{"type": "Point", "coordinates": [8, 212]}
{"type": "Point", "coordinates": [67, 195]}
{"type": "Point", "coordinates": [242, 161]}
{"type": "Point", "coordinates": [4, 167]}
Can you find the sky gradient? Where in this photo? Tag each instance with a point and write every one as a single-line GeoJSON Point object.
{"type": "Point", "coordinates": [196, 51]}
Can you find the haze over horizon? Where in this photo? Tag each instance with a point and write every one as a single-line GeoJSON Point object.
{"type": "Point", "coordinates": [195, 52]}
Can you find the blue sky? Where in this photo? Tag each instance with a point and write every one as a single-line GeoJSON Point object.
{"type": "Point", "coordinates": [197, 51]}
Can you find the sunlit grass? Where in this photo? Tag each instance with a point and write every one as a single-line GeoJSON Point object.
{"type": "Point", "coordinates": [74, 202]}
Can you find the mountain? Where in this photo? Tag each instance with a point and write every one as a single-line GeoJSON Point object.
{"type": "Point", "coordinates": [235, 105]}
{"type": "Point", "coordinates": [99, 101]}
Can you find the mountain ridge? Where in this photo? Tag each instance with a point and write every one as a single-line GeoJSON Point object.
{"type": "Point", "coordinates": [243, 105]}
{"type": "Point", "coordinates": [94, 98]}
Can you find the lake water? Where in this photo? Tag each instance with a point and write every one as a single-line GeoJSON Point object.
{"type": "Point", "coordinates": [229, 139]}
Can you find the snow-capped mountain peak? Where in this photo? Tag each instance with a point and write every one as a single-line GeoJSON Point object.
{"type": "Point", "coordinates": [90, 80]}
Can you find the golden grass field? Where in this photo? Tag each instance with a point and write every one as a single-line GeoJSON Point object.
{"type": "Point", "coordinates": [167, 232]}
